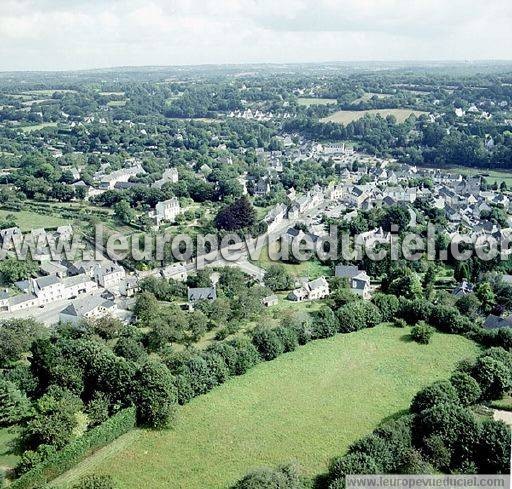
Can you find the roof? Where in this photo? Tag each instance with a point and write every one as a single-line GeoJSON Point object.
{"type": "Point", "coordinates": [19, 299]}
{"type": "Point", "coordinates": [202, 293]}
{"type": "Point", "coordinates": [497, 322]}
{"type": "Point", "coordinates": [348, 271]}
{"type": "Point", "coordinates": [76, 279]}
{"type": "Point", "coordinates": [81, 307]}
{"type": "Point", "coordinates": [317, 283]}
{"type": "Point", "coordinates": [47, 281]}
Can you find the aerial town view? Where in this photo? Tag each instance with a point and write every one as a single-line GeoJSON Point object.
{"type": "Point", "coordinates": [255, 245]}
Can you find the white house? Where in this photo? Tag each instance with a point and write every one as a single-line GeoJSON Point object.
{"type": "Point", "coordinates": [313, 290]}
{"type": "Point", "coordinates": [169, 176]}
{"type": "Point", "coordinates": [109, 274]}
{"type": "Point", "coordinates": [167, 210]}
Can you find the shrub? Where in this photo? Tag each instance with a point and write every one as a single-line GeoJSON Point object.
{"type": "Point", "coordinates": [267, 342]}
{"type": "Point", "coordinates": [247, 355]}
{"type": "Point", "coordinates": [433, 395]}
{"type": "Point", "coordinates": [77, 450]}
{"type": "Point", "coordinates": [325, 323]}
{"type": "Point", "coordinates": [288, 337]}
{"type": "Point", "coordinates": [95, 482]}
{"type": "Point", "coordinates": [352, 463]}
{"type": "Point", "coordinates": [284, 477]}
{"type": "Point", "coordinates": [358, 315]}
{"type": "Point", "coordinates": [468, 390]}
{"type": "Point", "coordinates": [400, 323]}
{"type": "Point", "coordinates": [493, 377]}
{"type": "Point", "coordinates": [493, 451]}
{"type": "Point", "coordinates": [421, 333]}
{"type": "Point", "coordinates": [387, 304]}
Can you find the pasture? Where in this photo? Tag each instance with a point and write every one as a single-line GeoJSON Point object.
{"type": "Point", "coordinates": [308, 405]}
{"type": "Point", "coordinates": [348, 116]}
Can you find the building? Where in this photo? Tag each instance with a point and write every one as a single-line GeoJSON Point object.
{"type": "Point", "coordinates": [93, 307]}
{"type": "Point", "coordinates": [109, 274]}
{"type": "Point", "coordinates": [167, 211]}
{"type": "Point", "coordinates": [358, 280]}
{"type": "Point", "coordinates": [169, 176]}
{"type": "Point", "coordinates": [270, 300]}
{"type": "Point", "coordinates": [201, 293]}
{"type": "Point", "coordinates": [313, 290]}
{"type": "Point", "coordinates": [497, 322]}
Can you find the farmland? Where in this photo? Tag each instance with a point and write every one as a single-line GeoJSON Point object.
{"type": "Point", "coordinates": [348, 116]}
{"type": "Point", "coordinates": [308, 101]}
{"type": "Point", "coordinates": [307, 405]}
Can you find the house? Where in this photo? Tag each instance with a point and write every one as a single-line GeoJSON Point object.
{"type": "Point", "coordinates": [22, 301]}
{"type": "Point", "coordinates": [167, 211]}
{"type": "Point", "coordinates": [178, 271]}
{"type": "Point", "coordinates": [109, 274]}
{"type": "Point", "coordinates": [462, 289]}
{"type": "Point", "coordinates": [123, 175]}
{"type": "Point", "coordinates": [201, 294]}
{"type": "Point", "coordinates": [360, 285]}
{"type": "Point", "coordinates": [497, 322]}
{"type": "Point", "coordinates": [53, 268]}
{"type": "Point", "coordinates": [4, 300]}
{"type": "Point", "coordinates": [47, 289]}
{"type": "Point", "coordinates": [270, 300]}
{"type": "Point", "coordinates": [87, 308]}
{"type": "Point", "coordinates": [261, 188]}
{"type": "Point", "coordinates": [129, 286]}
{"type": "Point", "coordinates": [346, 271]}
{"type": "Point", "coordinates": [169, 176]}
{"type": "Point", "coordinates": [310, 291]}
{"type": "Point", "coordinates": [78, 285]}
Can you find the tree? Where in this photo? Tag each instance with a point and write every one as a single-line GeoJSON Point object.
{"type": "Point", "coordinates": [123, 212]}
{"type": "Point", "coordinates": [358, 315]}
{"type": "Point", "coordinates": [493, 377]}
{"type": "Point", "coordinates": [277, 278]}
{"type": "Point", "coordinates": [468, 305]}
{"type": "Point", "coordinates": [408, 286]}
{"type": "Point", "coordinates": [238, 215]}
{"type": "Point", "coordinates": [325, 323]}
{"type": "Point", "coordinates": [485, 295]}
{"type": "Point", "coordinates": [285, 477]}
{"type": "Point", "coordinates": [387, 304]}
{"type": "Point", "coordinates": [13, 269]}
{"type": "Point", "coordinates": [467, 388]}
{"type": "Point", "coordinates": [267, 342]}
{"type": "Point", "coordinates": [14, 405]}
{"type": "Point", "coordinates": [155, 395]}
{"type": "Point", "coordinates": [438, 393]}
{"type": "Point", "coordinates": [422, 333]}
{"type": "Point", "coordinates": [146, 307]}
{"type": "Point", "coordinates": [493, 450]}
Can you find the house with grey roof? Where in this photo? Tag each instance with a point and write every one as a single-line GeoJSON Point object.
{"type": "Point", "coordinates": [497, 322]}
{"type": "Point", "coordinates": [310, 291]}
{"type": "Point", "coordinates": [92, 307]}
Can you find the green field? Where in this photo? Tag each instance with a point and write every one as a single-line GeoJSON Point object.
{"type": "Point", "coordinates": [27, 220]}
{"type": "Point", "coordinates": [36, 127]}
{"type": "Point", "coordinates": [491, 176]}
{"type": "Point", "coordinates": [7, 458]}
{"type": "Point", "coordinates": [347, 116]}
{"type": "Point", "coordinates": [307, 405]}
{"type": "Point", "coordinates": [307, 101]}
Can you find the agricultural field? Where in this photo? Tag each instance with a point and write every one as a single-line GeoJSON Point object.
{"type": "Point", "coordinates": [308, 101]}
{"type": "Point", "coordinates": [369, 95]}
{"type": "Point", "coordinates": [307, 405]}
{"type": "Point", "coordinates": [348, 116]}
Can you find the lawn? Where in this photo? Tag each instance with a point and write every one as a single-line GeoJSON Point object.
{"type": "Point", "coordinates": [491, 176]}
{"type": "Point", "coordinates": [310, 268]}
{"type": "Point", "coordinates": [316, 101]}
{"type": "Point", "coordinates": [7, 459]}
{"type": "Point", "coordinates": [307, 405]}
{"type": "Point", "coordinates": [27, 220]}
{"type": "Point", "coordinates": [36, 127]}
{"type": "Point", "coordinates": [347, 116]}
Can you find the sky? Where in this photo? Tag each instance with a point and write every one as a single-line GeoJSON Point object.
{"type": "Point", "coordinates": [79, 34]}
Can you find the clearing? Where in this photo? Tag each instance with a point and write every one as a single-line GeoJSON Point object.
{"type": "Point", "coordinates": [348, 116]}
{"type": "Point", "coordinates": [27, 220]}
{"type": "Point", "coordinates": [307, 101]}
{"type": "Point", "coordinates": [307, 405]}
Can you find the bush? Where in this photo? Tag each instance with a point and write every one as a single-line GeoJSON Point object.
{"type": "Point", "coordinates": [77, 450]}
{"type": "Point", "coordinates": [285, 477]}
{"type": "Point", "coordinates": [468, 390]}
{"type": "Point", "coordinates": [493, 451]}
{"type": "Point", "coordinates": [96, 482]}
{"type": "Point", "coordinates": [421, 333]}
{"type": "Point", "coordinates": [399, 323]}
{"type": "Point", "coordinates": [387, 304]}
{"type": "Point", "coordinates": [358, 315]}
{"type": "Point", "coordinates": [325, 323]}
{"type": "Point", "coordinates": [433, 395]}
{"type": "Point", "coordinates": [288, 337]}
{"type": "Point", "coordinates": [353, 463]}
{"type": "Point", "coordinates": [267, 342]}
{"type": "Point", "coordinates": [247, 355]}
{"type": "Point", "coordinates": [493, 377]}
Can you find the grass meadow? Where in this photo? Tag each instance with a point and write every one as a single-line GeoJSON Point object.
{"type": "Point", "coordinates": [308, 405]}
{"type": "Point", "coordinates": [348, 116]}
